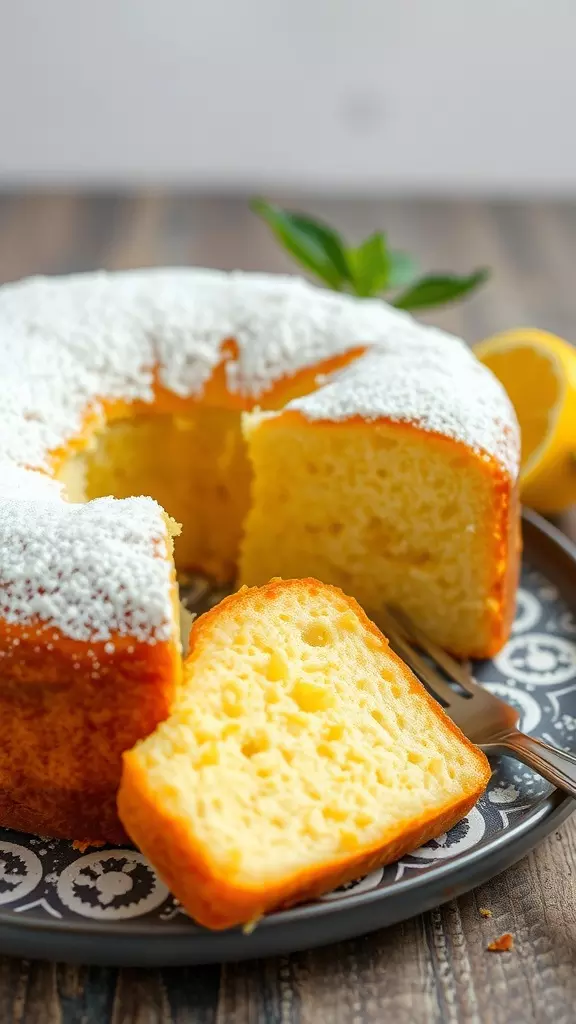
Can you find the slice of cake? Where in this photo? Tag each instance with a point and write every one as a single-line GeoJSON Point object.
{"type": "Point", "coordinates": [300, 754]}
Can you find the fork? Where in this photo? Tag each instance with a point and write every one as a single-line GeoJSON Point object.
{"type": "Point", "coordinates": [489, 722]}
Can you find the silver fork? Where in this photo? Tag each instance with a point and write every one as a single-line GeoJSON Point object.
{"type": "Point", "coordinates": [483, 718]}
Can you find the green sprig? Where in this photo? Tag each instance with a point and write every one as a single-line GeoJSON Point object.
{"type": "Point", "coordinates": [370, 269]}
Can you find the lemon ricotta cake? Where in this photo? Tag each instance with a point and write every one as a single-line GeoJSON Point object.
{"type": "Point", "coordinates": [290, 430]}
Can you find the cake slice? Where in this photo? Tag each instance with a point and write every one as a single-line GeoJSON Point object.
{"type": "Point", "coordinates": [301, 753]}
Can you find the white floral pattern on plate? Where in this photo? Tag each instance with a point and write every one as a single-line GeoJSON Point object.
{"type": "Point", "coordinates": [115, 884]}
{"type": "Point", "coordinates": [538, 659]}
{"type": "Point", "coordinates": [20, 872]}
{"type": "Point", "coordinates": [528, 611]}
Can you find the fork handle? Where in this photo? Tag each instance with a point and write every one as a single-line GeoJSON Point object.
{"type": "Point", "coordinates": [555, 765]}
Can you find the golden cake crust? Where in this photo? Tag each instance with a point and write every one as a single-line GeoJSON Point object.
{"type": "Point", "coordinates": [214, 898]}
{"type": "Point", "coordinates": [64, 724]}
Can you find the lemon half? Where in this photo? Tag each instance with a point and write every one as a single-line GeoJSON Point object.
{"type": "Point", "coordinates": [538, 371]}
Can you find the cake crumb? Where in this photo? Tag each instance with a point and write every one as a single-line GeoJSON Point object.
{"type": "Point", "coordinates": [250, 926]}
{"type": "Point", "coordinates": [502, 945]}
{"type": "Point", "coordinates": [484, 912]}
{"type": "Point", "coordinates": [84, 844]}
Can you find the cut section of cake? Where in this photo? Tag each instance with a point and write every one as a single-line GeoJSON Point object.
{"type": "Point", "coordinates": [382, 482]}
{"type": "Point", "coordinates": [300, 754]}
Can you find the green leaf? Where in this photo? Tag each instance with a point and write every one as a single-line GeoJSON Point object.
{"type": "Point", "coordinates": [315, 245]}
{"type": "Point", "coordinates": [367, 270]}
{"type": "Point", "coordinates": [370, 264]}
{"type": "Point", "coordinates": [402, 269]}
{"type": "Point", "coordinates": [437, 289]}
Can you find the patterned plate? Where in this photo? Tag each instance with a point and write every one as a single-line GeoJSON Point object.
{"type": "Point", "coordinates": [108, 906]}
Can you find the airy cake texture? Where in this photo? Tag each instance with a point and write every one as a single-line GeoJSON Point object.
{"type": "Point", "coordinates": [391, 514]}
{"type": "Point", "coordinates": [396, 475]}
{"type": "Point", "coordinates": [301, 752]}
{"type": "Point", "coordinates": [195, 465]}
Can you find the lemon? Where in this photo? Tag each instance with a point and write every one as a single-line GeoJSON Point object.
{"type": "Point", "coordinates": [538, 371]}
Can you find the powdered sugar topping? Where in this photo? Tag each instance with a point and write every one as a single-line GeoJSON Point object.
{"type": "Point", "coordinates": [25, 484]}
{"type": "Point", "coordinates": [70, 344]}
{"type": "Point", "coordinates": [432, 381]}
{"type": "Point", "coordinates": [88, 570]}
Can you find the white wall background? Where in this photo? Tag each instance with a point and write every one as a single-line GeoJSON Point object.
{"type": "Point", "coordinates": [380, 95]}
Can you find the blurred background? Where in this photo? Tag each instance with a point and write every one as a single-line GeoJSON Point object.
{"type": "Point", "coordinates": [134, 132]}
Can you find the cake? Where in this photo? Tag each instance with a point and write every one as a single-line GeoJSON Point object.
{"type": "Point", "coordinates": [301, 753]}
{"type": "Point", "coordinates": [349, 487]}
{"type": "Point", "coordinates": [89, 654]}
{"type": "Point", "coordinates": [179, 384]}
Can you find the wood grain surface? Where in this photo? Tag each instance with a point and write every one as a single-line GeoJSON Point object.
{"type": "Point", "coordinates": [434, 969]}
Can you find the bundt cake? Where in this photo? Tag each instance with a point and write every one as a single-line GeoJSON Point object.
{"type": "Point", "coordinates": [381, 457]}
{"type": "Point", "coordinates": [300, 754]}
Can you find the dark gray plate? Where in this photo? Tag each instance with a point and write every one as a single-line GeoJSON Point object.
{"type": "Point", "coordinates": [107, 905]}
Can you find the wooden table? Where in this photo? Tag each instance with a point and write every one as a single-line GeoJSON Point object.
{"type": "Point", "coordinates": [434, 968]}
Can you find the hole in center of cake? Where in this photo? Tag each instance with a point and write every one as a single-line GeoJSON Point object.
{"type": "Point", "coordinates": [195, 466]}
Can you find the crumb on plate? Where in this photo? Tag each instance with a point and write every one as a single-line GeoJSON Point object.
{"type": "Point", "coordinates": [84, 844]}
{"type": "Point", "coordinates": [250, 926]}
{"type": "Point", "coordinates": [502, 945]}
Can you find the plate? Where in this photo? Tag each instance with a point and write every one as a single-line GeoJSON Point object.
{"type": "Point", "coordinates": [107, 906]}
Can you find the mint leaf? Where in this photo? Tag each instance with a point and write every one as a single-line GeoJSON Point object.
{"type": "Point", "coordinates": [367, 270]}
{"type": "Point", "coordinates": [437, 289]}
{"type": "Point", "coordinates": [370, 265]}
{"type": "Point", "coordinates": [315, 245]}
{"type": "Point", "coordinates": [402, 268]}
